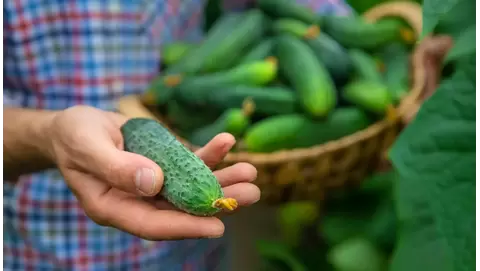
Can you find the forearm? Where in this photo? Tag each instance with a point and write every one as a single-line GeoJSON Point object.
{"type": "Point", "coordinates": [25, 141]}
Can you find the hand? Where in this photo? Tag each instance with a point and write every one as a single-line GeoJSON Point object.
{"type": "Point", "coordinates": [87, 146]}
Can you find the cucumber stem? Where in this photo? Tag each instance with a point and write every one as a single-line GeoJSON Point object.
{"type": "Point", "coordinates": [407, 35]}
{"type": "Point", "coordinates": [226, 204]}
{"type": "Point", "coordinates": [272, 60]}
{"type": "Point", "coordinates": [172, 80]}
{"type": "Point", "coordinates": [312, 32]}
{"type": "Point", "coordinates": [248, 106]}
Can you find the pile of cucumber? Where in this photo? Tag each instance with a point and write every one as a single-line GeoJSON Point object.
{"type": "Point", "coordinates": [277, 76]}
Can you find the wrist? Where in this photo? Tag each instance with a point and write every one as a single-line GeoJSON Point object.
{"type": "Point", "coordinates": [42, 132]}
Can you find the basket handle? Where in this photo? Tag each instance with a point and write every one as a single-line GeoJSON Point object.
{"type": "Point", "coordinates": [435, 49]}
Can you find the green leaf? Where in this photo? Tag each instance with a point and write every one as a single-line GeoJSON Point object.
{"type": "Point", "coordinates": [459, 18]}
{"type": "Point", "coordinates": [435, 193]}
{"type": "Point", "coordinates": [464, 45]}
{"type": "Point", "coordinates": [276, 251]}
{"type": "Point", "coordinates": [434, 11]}
{"type": "Point", "coordinates": [357, 254]}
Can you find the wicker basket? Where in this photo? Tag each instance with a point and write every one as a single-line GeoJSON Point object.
{"type": "Point", "coordinates": [306, 174]}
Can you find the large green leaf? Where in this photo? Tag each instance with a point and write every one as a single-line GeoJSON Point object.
{"type": "Point", "coordinates": [464, 45]}
{"type": "Point", "coordinates": [435, 11]}
{"type": "Point", "coordinates": [435, 193]}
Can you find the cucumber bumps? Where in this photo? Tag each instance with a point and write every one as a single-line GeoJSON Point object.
{"type": "Point", "coordinates": [188, 183]}
{"type": "Point", "coordinates": [299, 65]}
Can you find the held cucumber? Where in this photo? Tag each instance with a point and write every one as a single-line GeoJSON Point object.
{"type": "Point", "coordinates": [307, 75]}
{"type": "Point", "coordinates": [188, 183]}
{"type": "Point", "coordinates": [292, 131]}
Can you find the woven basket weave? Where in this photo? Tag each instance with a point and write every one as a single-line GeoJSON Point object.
{"type": "Point", "coordinates": [306, 174]}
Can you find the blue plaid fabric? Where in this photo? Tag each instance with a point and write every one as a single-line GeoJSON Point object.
{"type": "Point", "coordinates": [59, 54]}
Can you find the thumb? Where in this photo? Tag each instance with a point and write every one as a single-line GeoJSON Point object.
{"type": "Point", "coordinates": [128, 171]}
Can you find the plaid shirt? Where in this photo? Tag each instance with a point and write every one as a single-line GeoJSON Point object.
{"type": "Point", "coordinates": [64, 53]}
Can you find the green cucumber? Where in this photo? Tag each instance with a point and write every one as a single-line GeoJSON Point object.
{"type": "Point", "coordinates": [186, 118]}
{"type": "Point", "coordinates": [287, 9]}
{"type": "Point", "coordinates": [188, 183]}
{"type": "Point", "coordinates": [174, 51]}
{"type": "Point", "coordinates": [396, 59]}
{"type": "Point", "coordinates": [194, 61]}
{"type": "Point", "coordinates": [355, 32]}
{"type": "Point", "coordinates": [292, 131]}
{"type": "Point", "coordinates": [261, 51]}
{"type": "Point", "coordinates": [365, 66]}
{"type": "Point", "coordinates": [234, 43]}
{"type": "Point", "coordinates": [256, 73]}
{"type": "Point", "coordinates": [299, 65]}
{"type": "Point", "coordinates": [267, 100]}
{"type": "Point", "coordinates": [372, 96]}
{"type": "Point", "coordinates": [327, 50]}
{"type": "Point", "coordinates": [233, 121]}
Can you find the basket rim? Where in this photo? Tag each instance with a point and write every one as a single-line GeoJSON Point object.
{"type": "Point", "coordinates": [411, 12]}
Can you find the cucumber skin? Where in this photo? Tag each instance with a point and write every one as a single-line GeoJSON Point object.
{"type": "Point", "coordinates": [259, 52]}
{"type": "Point", "coordinates": [298, 63]}
{"type": "Point", "coordinates": [292, 131]}
{"type": "Point", "coordinates": [354, 32]}
{"type": "Point", "coordinates": [233, 45]}
{"type": "Point", "coordinates": [327, 50]}
{"type": "Point", "coordinates": [287, 9]}
{"type": "Point", "coordinates": [370, 95]}
{"type": "Point", "coordinates": [364, 66]}
{"type": "Point", "coordinates": [250, 74]}
{"type": "Point", "coordinates": [267, 100]}
{"type": "Point", "coordinates": [173, 52]}
{"type": "Point", "coordinates": [194, 61]}
{"type": "Point", "coordinates": [232, 121]}
{"type": "Point", "coordinates": [188, 183]}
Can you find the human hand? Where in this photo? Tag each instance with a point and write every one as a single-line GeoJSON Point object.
{"type": "Point", "coordinates": [87, 146]}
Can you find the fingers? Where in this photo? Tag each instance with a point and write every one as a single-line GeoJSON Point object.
{"type": "Point", "coordinates": [126, 171]}
{"type": "Point", "coordinates": [240, 172]}
{"type": "Point", "coordinates": [144, 220]}
{"type": "Point", "coordinates": [245, 193]}
{"type": "Point", "coordinates": [215, 150]}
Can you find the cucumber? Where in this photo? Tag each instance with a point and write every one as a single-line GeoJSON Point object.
{"type": "Point", "coordinates": [261, 51]}
{"type": "Point", "coordinates": [188, 183]}
{"type": "Point", "coordinates": [354, 32]}
{"type": "Point", "coordinates": [365, 66]}
{"type": "Point", "coordinates": [299, 65]}
{"type": "Point", "coordinates": [370, 95]}
{"type": "Point", "coordinates": [186, 118]}
{"type": "Point", "coordinates": [267, 100]}
{"type": "Point", "coordinates": [287, 9]}
{"type": "Point", "coordinates": [194, 61]}
{"type": "Point", "coordinates": [234, 43]}
{"type": "Point", "coordinates": [396, 59]}
{"type": "Point", "coordinates": [297, 28]}
{"type": "Point", "coordinates": [250, 74]}
{"type": "Point", "coordinates": [233, 121]}
{"type": "Point", "coordinates": [327, 50]}
{"type": "Point", "coordinates": [172, 52]}
{"type": "Point", "coordinates": [291, 131]}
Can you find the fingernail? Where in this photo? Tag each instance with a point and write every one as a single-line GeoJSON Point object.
{"type": "Point", "coordinates": [145, 181]}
